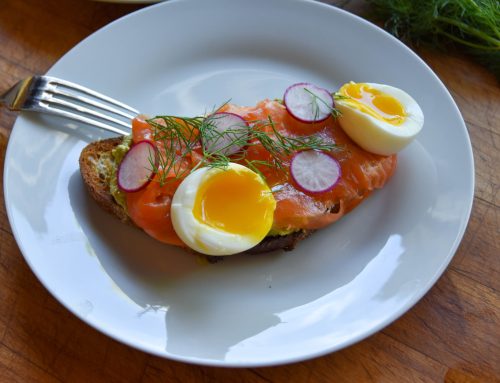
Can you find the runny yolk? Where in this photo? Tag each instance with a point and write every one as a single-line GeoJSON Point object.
{"type": "Point", "coordinates": [235, 202]}
{"type": "Point", "coordinates": [374, 102]}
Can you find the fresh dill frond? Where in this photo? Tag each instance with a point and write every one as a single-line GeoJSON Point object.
{"type": "Point", "coordinates": [252, 166]}
{"type": "Point", "coordinates": [179, 137]}
{"type": "Point", "coordinates": [315, 100]}
{"type": "Point", "coordinates": [469, 25]}
{"type": "Point", "coordinates": [338, 96]}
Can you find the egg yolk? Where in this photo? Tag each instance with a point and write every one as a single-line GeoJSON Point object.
{"type": "Point", "coordinates": [235, 202]}
{"type": "Point", "coordinates": [374, 102]}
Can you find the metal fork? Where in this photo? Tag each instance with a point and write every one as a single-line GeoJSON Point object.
{"type": "Point", "coordinates": [63, 98]}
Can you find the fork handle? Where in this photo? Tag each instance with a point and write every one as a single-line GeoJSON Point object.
{"type": "Point", "coordinates": [15, 97]}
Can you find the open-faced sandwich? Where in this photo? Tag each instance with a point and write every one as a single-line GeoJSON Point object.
{"type": "Point", "coordinates": [253, 179]}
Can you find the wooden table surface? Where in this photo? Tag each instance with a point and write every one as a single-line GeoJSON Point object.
{"type": "Point", "coordinates": [451, 335]}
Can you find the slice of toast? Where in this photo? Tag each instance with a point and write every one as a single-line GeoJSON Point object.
{"type": "Point", "coordinates": [99, 189]}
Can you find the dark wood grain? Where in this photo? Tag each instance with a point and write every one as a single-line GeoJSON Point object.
{"type": "Point", "coordinates": [451, 335]}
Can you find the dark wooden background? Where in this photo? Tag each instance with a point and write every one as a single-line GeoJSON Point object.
{"type": "Point", "coordinates": [451, 335]}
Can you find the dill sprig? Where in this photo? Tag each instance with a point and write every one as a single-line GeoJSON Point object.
{"type": "Point", "coordinates": [470, 25]}
{"type": "Point", "coordinates": [338, 96]}
{"type": "Point", "coordinates": [315, 105]}
{"type": "Point", "coordinates": [179, 137]}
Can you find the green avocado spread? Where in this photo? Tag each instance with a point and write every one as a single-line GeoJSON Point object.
{"type": "Point", "coordinates": [107, 166]}
{"type": "Point", "coordinates": [276, 232]}
{"type": "Point", "coordinates": [118, 153]}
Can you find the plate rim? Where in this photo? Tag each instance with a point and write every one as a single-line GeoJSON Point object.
{"type": "Point", "coordinates": [275, 360]}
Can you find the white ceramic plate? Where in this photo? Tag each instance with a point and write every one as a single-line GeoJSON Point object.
{"type": "Point", "coordinates": [338, 287]}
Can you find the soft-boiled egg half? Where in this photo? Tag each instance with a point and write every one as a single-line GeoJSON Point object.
{"type": "Point", "coordinates": [219, 211]}
{"type": "Point", "coordinates": [380, 118]}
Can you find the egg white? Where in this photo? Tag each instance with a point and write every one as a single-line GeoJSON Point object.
{"type": "Point", "coordinates": [198, 235]}
{"type": "Point", "coordinates": [377, 136]}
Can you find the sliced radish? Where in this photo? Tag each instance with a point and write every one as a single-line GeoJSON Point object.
{"type": "Point", "coordinates": [136, 169]}
{"type": "Point", "coordinates": [314, 171]}
{"type": "Point", "coordinates": [308, 102]}
{"type": "Point", "coordinates": [226, 133]}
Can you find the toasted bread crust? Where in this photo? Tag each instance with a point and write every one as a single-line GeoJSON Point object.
{"type": "Point", "coordinates": [96, 182]}
{"type": "Point", "coordinates": [278, 242]}
{"type": "Point", "coordinates": [98, 188]}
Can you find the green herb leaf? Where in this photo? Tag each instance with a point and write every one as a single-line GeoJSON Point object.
{"type": "Point", "coordinates": [471, 25]}
{"type": "Point", "coordinates": [180, 136]}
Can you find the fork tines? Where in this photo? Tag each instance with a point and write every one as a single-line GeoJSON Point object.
{"type": "Point", "coordinates": [64, 98]}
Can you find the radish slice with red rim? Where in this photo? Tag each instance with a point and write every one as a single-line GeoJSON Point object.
{"type": "Point", "coordinates": [308, 102]}
{"type": "Point", "coordinates": [225, 133]}
{"type": "Point", "coordinates": [314, 171]}
{"type": "Point", "coordinates": [137, 167]}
